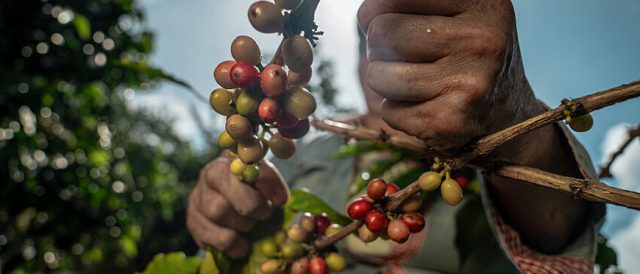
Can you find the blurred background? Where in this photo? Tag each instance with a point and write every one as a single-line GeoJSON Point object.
{"type": "Point", "coordinates": [102, 133]}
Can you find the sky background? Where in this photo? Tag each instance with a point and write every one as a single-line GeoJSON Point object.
{"type": "Point", "coordinates": [570, 48]}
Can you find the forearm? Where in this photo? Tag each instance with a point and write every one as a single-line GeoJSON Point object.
{"type": "Point", "coordinates": [546, 219]}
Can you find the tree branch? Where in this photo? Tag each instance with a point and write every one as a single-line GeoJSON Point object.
{"type": "Point", "coordinates": [605, 169]}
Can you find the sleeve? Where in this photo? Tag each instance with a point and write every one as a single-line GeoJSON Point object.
{"type": "Point", "coordinates": [576, 258]}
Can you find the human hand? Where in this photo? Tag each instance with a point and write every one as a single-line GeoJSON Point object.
{"type": "Point", "coordinates": [221, 207]}
{"type": "Point", "coordinates": [449, 71]}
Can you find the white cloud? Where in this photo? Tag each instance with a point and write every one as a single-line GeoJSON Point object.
{"type": "Point", "coordinates": [627, 246]}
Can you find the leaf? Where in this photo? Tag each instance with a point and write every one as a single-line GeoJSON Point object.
{"type": "Point", "coordinates": [215, 262]}
{"type": "Point", "coordinates": [83, 26]}
{"type": "Point", "coordinates": [173, 263]}
{"type": "Point", "coordinates": [606, 256]}
{"type": "Point", "coordinates": [304, 201]}
{"type": "Point", "coordinates": [409, 177]}
{"type": "Point", "coordinates": [360, 148]}
{"type": "Point", "coordinates": [152, 72]}
{"type": "Point", "coordinates": [471, 228]}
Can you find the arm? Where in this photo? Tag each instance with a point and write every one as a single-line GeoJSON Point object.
{"type": "Point", "coordinates": [451, 71]}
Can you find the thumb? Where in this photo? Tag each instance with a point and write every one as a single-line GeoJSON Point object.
{"type": "Point", "coordinates": [271, 184]}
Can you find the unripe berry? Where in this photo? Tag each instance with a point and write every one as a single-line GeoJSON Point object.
{"type": "Point", "coordinates": [376, 189]}
{"type": "Point", "coordinates": [222, 74]}
{"type": "Point", "coordinates": [412, 204]}
{"type": "Point", "coordinates": [271, 266]}
{"type": "Point", "coordinates": [430, 181]}
{"type": "Point", "coordinates": [299, 102]}
{"type": "Point", "coordinates": [300, 266]}
{"type": "Point", "coordinates": [333, 228]}
{"type": "Point", "coordinates": [392, 189]}
{"type": "Point", "coordinates": [359, 208]}
{"type": "Point", "coordinates": [282, 147]}
{"type": "Point", "coordinates": [291, 250]}
{"type": "Point", "coordinates": [250, 151]}
{"type": "Point", "coordinates": [225, 141]}
{"type": "Point", "coordinates": [248, 101]}
{"type": "Point", "coordinates": [322, 223]}
{"type": "Point", "coordinates": [245, 49]}
{"type": "Point", "coordinates": [317, 265]}
{"type": "Point", "coordinates": [297, 131]}
{"type": "Point", "coordinates": [237, 167]}
{"type": "Point", "coordinates": [581, 123]}
{"type": "Point", "coordinates": [366, 235]}
{"type": "Point", "coordinates": [297, 233]}
{"type": "Point", "coordinates": [308, 222]}
{"type": "Point", "coordinates": [245, 75]}
{"type": "Point", "coordinates": [280, 237]}
{"type": "Point", "coordinates": [286, 120]}
{"type": "Point", "coordinates": [376, 221]}
{"type": "Point", "coordinates": [269, 248]}
{"type": "Point", "coordinates": [221, 101]}
{"type": "Point", "coordinates": [266, 17]}
{"type": "Point", "coordinates": [273, 80]}
{"type": "Point", "coordinates": [297, 53]}
{"type": "Point", "coordinates": [239, 127]}
{"type": "Point", "coordinates": [299, 79]}
{"type": "Point", "coordinates": [414, 221]}
{"type": "Point", "coordinates": [336, 262]}
{"type": "Point", "coordinates": [269, 110]}
{"type": "Point", "coordinates": [251, 174]}
{"type": "Point", "coordinates": [398, 231]}
{"type": "Point", "coordinates": [451, 192]}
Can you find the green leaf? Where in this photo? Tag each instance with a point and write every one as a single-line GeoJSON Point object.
{"type": "Point", "coordinates": [129, 246]}
{"type": "Point", "coordinates": [83, 26]}
{"type": "Point", "coordinates": [173, 263]}
{"type": "Point", "coordinates": [152, 72]}
{"type": "Point", "coordinates": [304, 201]}
{"type": "Point", "coordinates": [360, 148]}
{"type": "Point", "coordinates": [606, 256]}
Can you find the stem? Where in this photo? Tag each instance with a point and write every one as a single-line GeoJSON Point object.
{"type": "Point", "coordinates": [326, 242]}
{"type": "Point", "coordinates": [605, 170]}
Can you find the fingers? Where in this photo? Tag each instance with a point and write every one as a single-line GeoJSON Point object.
{"type": "Point", "coordinates": [271, 184]}
{"type": "Point", "coordinates": [372, 8]}
{"type": "Point", "coordinates": [412, 38]}
{"type": "Point", "coordinates": [210, 234]}
{"type": "Point", "coordinates": [218, 210]}
{"type": "Point", "coordinates": [411, 82]}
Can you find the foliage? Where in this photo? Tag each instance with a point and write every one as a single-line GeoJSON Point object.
{"type": "Point", "coordinates": [90, 185]}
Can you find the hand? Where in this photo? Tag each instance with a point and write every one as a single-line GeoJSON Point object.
{"type": "Point", "coordinates": [449, 71]}
{"type": "Point", "coordinates": [221, 207]}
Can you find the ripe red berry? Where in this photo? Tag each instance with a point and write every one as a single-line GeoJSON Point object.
{"type": "Point", "coordinates": [462, 180]}
{"type": "Point", "coordinates": [269, 110]}
{"type": "Point", "coordinates": [398, 231]}
{"type": "Point", "coordinates": [317, 265]}
{"type": "Point", "coordinates": [301, 266]}
{"type": "Point", "coordinates": [377, 189]}
{"type": "Point", "coordinates": [297, 131]}
{"type": "Point", "coordinates": [392, 189]}
{"type": "Point", "coordinates": [376, 221]}
{"type": "Point", "coordinates": [273, 80]}
{"type": "Point", "coordinates": [244, 75]}
{"type": "Point", "coordinates": [222, 74]}
{"type": "Point", "coordinates": [359, 208]}
{"type": "Point", "coordinates": [413, 220]}
{"type": "Point", "coordinates": [322, 223]}
{"type": "Point", "coordinates": [286, 120]}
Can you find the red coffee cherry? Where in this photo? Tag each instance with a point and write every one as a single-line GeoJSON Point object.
{"type": "Point", "coordinates": [462, 180]}
{"type": "Point", "coordinates": [358, 209]}
{"type": "Point", "coordinates": [300, 266]}
{"type": "Point", "coordinates": [398, 231]}
{"type": "Point", "coordinates": [317, 265]}
{"type": "Point", "coordinates": [222, 74]}
{"type": "Point", "coordinates": [286, 120]}
{"type": "Point", "coordinates": [273, 80]}
{"type": "Point", "coordinates": [392, 189]}
{"type": "Point", "coordinates": [376, 221]}
{"type": "Point", "coordinates": [377, 189]}
{"type": "Point", "coordinates": [245, 75]}
{"type": "Point", "coordinates": [269, 110]}
{"type": "Point", "coordinates": [414, 221]}
{"type": "Point", "coordinates": [322, 223]}
{"type": "Point", "coordinates": [297, 131]}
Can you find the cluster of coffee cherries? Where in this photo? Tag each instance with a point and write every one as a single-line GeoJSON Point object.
{"type": "Point", "coordinates": [266, 107]}
{"type": "Point", "coordinates": [292, 251]}
{"type": "Point", "coordinates": [450, 188]}
{"type": "Point", "coordinates": [380, 223]}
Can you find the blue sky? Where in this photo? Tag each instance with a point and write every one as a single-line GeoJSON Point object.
{"type": "Point", "coordinates": [570, 48]}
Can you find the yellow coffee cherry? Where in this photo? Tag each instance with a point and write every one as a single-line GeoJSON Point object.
{"type": "Point", "coordinates": [430, 181]}
{"type": "Point", "coordinates": [451, 192]}
{"type": "Point", "coordinates": [237, 167]}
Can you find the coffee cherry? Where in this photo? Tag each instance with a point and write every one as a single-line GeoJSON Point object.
{"type": "Point", "coordinates": [269, 248]}
{"type": "Point", "coordinates": [376, 221]}
{"type": "Point", "coordinates": [250, 151]}
{"type": "Point", "coordinates": [237, 167]}
{"type": "Point", "coordinates": [322, 223]}
{"type": "Point", "coordinates": [366, 235]}
{"type": "Point", "coordinates": [273, 80]}
{"type": "Point", "coordinates": [280, 237]}
{"type": "Point", "coordinates": [300, 266]}
{"type": "Point", "coordinates": [286, 120]}
{"type": "Point", "coordinates": [581, 123]}
{"type": "Point", "coordinates": [265, 147]}
{"type": "Point", "coordinates": [332, 229]}
{"type": "Point", "coordinates": [220, 100]}
{"type": "Point", "coordinates": [297, 53]}
{"type": "Point", "coordinates": [414, 221]}
{"type": "Point", "coordinates": [239, 127]}
{"type": "Point", "coordinates": [251, 173]}
{"type": "Point", "coordinates": [398, 231]}
{"type": "Point", "coordinates": [271, 266]}
{"type": "Point", "coordinates": [269, 110]}
{"type": "Point", "coordinates": [299, 102]}
{"type": "Point", "coordinates": [225, 141]}
{"type": "Point", "coordinates": [308, 222]}
{"type": "Point", "coordinates": [288, 4]}
{"type": "Point", "coordinates": [336, 262]}
{"type": "Point", "coordinates": [392, 189]}
{"type": "Point", "coordinates": [299, 79]}
{"type": "Point", "coordinates": [462, 180]}
{"type": "Point", "coordinates": [245, 75]}
{"type": "Point", "coordinates": [282, 147]}
{"type": "Point", "coordinates": [297, 131]}
{"type": "Point", "coordinates": [451, 192]}
{"type": "Point", "coordinates": [359, 208]}
{"type": "Point", "coordinates": [412, 204]}
{"type": "Point", "coordinates": [266, 17]}
{"type": "Point", "coordinates": [291, 250]}
{"type": "Point", "coordinates": [376, 189]}
{"type": "Point", "coordinates": [297, 233]}
{"type": "Point", "coordinates": [248, 101]}
{"type": "Point", "coordinates": [245, 49]}
{"type": "Point", "coordinates": [222, 74]}
{"type": "Point", "coordinates": [317, 265]}
{"type": "Point", "coordinates": [430, 181]}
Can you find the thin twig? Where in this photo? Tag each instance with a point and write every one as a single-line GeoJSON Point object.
{"type": "Point", "coordinates": [605, 169]}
